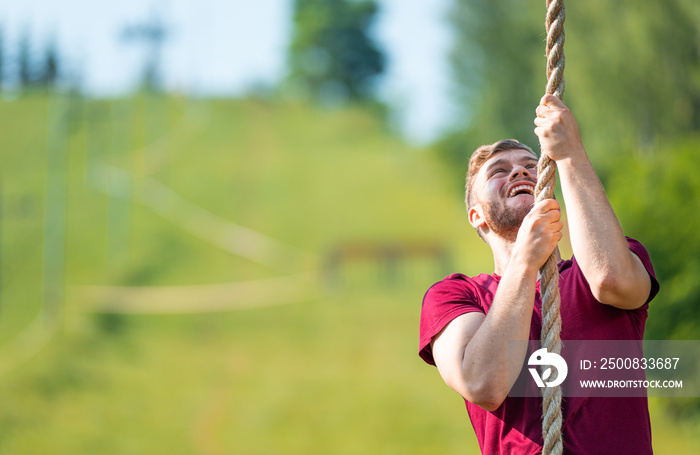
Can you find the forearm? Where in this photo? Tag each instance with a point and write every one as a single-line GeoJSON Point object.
{"type": "Point", "coordinates": [597, 240]}
{"type": "Point", "coordinates": [489, 367]}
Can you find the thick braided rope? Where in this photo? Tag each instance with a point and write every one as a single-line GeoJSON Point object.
{"type": "Point", "coordinates": [549, 280]}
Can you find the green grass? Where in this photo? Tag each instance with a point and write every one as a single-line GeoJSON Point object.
{"type": "Point", "coordinates": [337, 373]}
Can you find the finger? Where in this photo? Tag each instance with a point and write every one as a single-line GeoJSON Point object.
{"type": "Point", "coordinates": [552, 216]}
{"type": "Point", "coordinates": [542, 110]}
{"type": "Point", "coordinates": [545, 123]}
{"type": "Point", "coordinates": [551, 100]}
{"type": "Point", "coordinates": [550, 204]}
{"type": "Point", "coordinates": [545, 206]}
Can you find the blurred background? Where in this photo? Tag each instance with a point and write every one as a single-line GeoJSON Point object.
{"type": "Point", "coordinates": [218, 219]}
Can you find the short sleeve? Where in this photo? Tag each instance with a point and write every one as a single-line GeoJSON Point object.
{"type": "Point", "coordinates": [641, 252]}
{"type": "Point", "coordinates": [444, 301]}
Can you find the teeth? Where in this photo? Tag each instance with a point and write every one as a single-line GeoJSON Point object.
{"type": "Point", "coordinates": [527, 188]}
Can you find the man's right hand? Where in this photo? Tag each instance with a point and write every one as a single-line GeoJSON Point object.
{"type": "Point", "coordinates": [539, 234]}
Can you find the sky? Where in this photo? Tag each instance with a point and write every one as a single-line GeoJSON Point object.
{"type": "Point", "coordinates": [225, 47]}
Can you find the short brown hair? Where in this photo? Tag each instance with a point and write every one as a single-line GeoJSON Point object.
{"type": "Point", "coordinates": [481, 155]}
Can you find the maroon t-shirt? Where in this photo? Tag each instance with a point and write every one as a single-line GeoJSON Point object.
{"type": "Point", "coordinates": [597, 425]}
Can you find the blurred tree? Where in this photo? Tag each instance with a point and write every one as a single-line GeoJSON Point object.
{"type": "Point", "coordinates": [48, 76]}
{"type": "Point", "coordinates": [2, 59]}
{"type": "Point", "coordinates": [332, 57]}
{"type": "Point", "coordinates": [498, 66]}
{"type": "Point", "coordinates": [664, 217]}
{"type": "Point", "coordinates": [24, 61]}
{"type": "Point", "coordinates": [634, 71]}
{"type": "Point", "coordinates": [51, 65]}
{"type": "Point", "coordinates": [152, 34]}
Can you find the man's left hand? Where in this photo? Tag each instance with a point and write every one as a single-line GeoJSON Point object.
{"type": "Point", "coordinates": [557, 130]}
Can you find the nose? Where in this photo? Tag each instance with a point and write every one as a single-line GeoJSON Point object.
{"type": "Point", "coordinates": [520, 171]}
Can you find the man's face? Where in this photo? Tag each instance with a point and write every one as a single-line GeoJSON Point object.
{"type": "Point", "coordinates": [504, 188]}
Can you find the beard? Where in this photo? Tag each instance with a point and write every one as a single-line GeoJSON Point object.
{"type": "Point", "coordinates": [504, 221]}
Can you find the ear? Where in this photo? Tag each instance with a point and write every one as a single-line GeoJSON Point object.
{"type": "Point", "coordinates": [476, 216]}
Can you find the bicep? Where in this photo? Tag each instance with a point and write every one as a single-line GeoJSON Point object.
{"type": "Point", "coordinates": [449, 345]}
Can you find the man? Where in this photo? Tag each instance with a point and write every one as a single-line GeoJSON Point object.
{"type": "Point", "coordinates": [466, 322]}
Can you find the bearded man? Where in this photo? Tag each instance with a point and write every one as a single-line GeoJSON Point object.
{"type": "Point", "coordinates": [467, 322]}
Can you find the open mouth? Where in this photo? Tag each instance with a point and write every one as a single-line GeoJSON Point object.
{"type": "Point", "coordinates": [521, 189]}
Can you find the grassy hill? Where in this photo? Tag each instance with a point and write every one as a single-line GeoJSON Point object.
{"type": "Point", "coordinates": [126, 223]}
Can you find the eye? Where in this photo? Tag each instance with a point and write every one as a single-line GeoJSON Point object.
{"type": "Point", "coordinates": [497, 171]}
{"type": "Point", "coordinates": [531, 166]}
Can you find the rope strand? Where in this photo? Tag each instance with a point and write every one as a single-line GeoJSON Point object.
{"type": "Point", "coordinates": [549, 273]}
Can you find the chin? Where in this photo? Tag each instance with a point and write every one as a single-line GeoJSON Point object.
{"type": "Point", "coordinates": [523, 203]}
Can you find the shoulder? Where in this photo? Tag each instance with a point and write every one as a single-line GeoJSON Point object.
{"type": "Point", "coordinates": [450, 286]}
{"type": "Point", "coordinates": [453, 296]}
{"type": "Point", "coordinates": [458, 289]}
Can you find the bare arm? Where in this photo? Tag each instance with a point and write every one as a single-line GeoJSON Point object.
{"type": "Point", "coordinates": [616, 276]}
{"type": "Point", "coordinates": [471, 353]}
